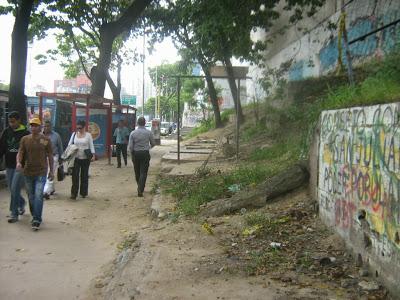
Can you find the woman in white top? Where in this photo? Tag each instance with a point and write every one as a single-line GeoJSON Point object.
{"type": "Point", "coordinates": [84, 141]}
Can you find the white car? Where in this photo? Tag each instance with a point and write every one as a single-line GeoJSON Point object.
{"type": "Point", "coordinates": [148, 126]}
{"type": "Point", "coordinates": [165, 128]}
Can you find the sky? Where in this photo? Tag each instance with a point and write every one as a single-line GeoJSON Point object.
{"type": "Point", "coordinates": [45, 75]}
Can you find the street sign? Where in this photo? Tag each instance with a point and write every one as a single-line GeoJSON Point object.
{"type": "Point", "coordinates": [128, 100]}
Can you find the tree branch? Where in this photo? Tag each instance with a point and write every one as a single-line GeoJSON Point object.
{"type": "Point", "coordinates": [76, 46]}
{"type": "Point", "coordinates": [93, 36]}
{"type": "Point", "coordinates": [125, 22]}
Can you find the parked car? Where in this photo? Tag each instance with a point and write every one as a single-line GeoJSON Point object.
{"type": "Point", "coordinates": [148, 126]}
{"type": "Point", "coordinates": [165, 128]}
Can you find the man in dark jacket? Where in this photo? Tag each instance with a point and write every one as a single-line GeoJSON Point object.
{"type": "Point", "coordinates": [9, 145]}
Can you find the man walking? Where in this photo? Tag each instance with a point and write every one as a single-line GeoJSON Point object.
{"type": "Point", "coordinates": [34, 157]}
{"type": "Point", "coordinates": [9, 145]}
{"type": "Point", "coordinates": [121, 134]}
{"type": "Point", "coordinates": [57, 147]}
{"type": "Point", "coordinates": [141, 141]}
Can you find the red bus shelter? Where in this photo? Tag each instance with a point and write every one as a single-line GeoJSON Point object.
{"type": "Point", "coordinates": [87, 102]}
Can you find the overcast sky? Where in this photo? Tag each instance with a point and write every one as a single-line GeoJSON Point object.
{"type": "Point", "coordinates": [44, 75]}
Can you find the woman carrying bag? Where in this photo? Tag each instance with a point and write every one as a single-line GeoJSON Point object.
{"type": "Point", "coordinates": [85, 154]}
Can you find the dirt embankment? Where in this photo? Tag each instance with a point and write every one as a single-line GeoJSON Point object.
{"type": "Point", "coordinates": [108, 247]}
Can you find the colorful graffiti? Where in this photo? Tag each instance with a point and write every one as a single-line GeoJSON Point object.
{"type": "Point", "coordinates": [359, 168]}
{"type": "Point", "coordinates": [377, 44]}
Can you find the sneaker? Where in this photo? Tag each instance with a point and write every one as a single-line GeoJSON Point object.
{"type": "Point", "coordinates": [12, 220]}
{"type": "Point", "coordinates": [140, 194]}
{"type": "Point", "coordinates": [72, 197]}
{"type": "Point", "coordinates": [21, 211]}
{"type": "Point", "coordinates": [46, 196]}
{"type": "Point", "coordinates": [35, 225]}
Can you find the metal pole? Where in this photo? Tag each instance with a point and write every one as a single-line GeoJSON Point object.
{"type": "Point", "coordinates": [144, 57]}
{"type": "Point", "coordinates": [73, 117]}
{"type": "Point", "coordinates": [237, 122]}
{"type": "Point", "coordinates": [87, 113]}
{"type": "Point", "coordinates": [179, 122]}
{"type": "Point", "coordinates": [109, 133]}
{"type": "Point", "coordinates": [156, 101]}
{"type": "Point", "coordinates": [346, 43]}
{"type": "Point", "coordinates": [41, 108]}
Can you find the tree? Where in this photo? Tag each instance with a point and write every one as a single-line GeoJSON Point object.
{"type": "Point", "coordinates": [96, 31]}
{"type": "Point", "coordinates": [19, 50]}
{"type": "Point", "coordinates": [166, 88]}
{"type": "Point", "coordinates": [30, 22]}
{"type": "Point", "coordinates": [220, 30]}
{"type": "Point", "coordinates": [108, 32]}
{"type": "Point", "coordinates": [175, 19]}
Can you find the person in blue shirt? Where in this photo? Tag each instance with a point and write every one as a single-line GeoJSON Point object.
{"type": "Point", "coordinates": [121, 134]}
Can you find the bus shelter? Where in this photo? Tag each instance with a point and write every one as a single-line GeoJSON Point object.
{"type": "Point", "coordinates": [97, 112]}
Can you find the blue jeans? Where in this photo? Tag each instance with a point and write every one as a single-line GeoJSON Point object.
{"type": "Point", "coordinates": [15, 181]}
{"type": "Point", "coordinates": [35, 187]}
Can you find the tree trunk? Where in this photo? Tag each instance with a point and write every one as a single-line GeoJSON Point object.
{"type": "Point", "coordinates": [99, 75]}
{"type": "Point", "coordinates": [233, 87]}
{"type": "Point", "coordinates": [19, 51]}
{"type": "Point", "coordinates": [288, 180]}
{"type": "Point", "coordinates": [108, 33]}
{"type": "Point", "coordinates": [115, 89]}
{"type": "Point", "coordinates": [213, 96]}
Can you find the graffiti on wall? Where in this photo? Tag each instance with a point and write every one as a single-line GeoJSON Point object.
{"type": "Point", "coordinates": [359, 170]}
{"type": "Point", "coordinates": [376, 44]}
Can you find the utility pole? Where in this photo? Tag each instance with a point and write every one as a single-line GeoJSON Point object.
{"type": "Point", "coordinates": [144, 58]}
{"type": "Point", "coordinates": [156, 101]}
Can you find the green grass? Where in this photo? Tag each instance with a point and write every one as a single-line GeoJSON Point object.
{"type": "Point", "coordinates": [205, 125]}
{"type": "Point", "coordinates": [291, 134]}
{"type": "Point", "coordinates": [192, 192]}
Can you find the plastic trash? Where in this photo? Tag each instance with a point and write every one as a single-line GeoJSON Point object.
{"type": "Point", "coordinates": [276, 245]}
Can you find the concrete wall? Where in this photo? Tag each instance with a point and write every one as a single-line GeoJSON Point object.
{"type": "Point", "coordinates": [315, 52]}
{"type": "Point", "coordinates": [359, 184]}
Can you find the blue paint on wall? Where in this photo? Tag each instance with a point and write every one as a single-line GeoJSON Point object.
{"type": "Point", "coordinates": [365, 47]}
{"type": "Point", "coordinates": [300, 70]}
{"type": "Point", "coordinates": [328, 55]}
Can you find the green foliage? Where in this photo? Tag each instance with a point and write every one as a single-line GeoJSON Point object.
{"type": "Point", "coordinates": [192, 192]}
{"type": "Point", "coordinates": [205, 125]}
{"type": "Point", "coordinates": [252, 131]}
{"type": "Point", "coordinates": [161, 77]}
{"type": "Point", "coordinates": [78, 46]}
{"type": "Point", "coordinates": [4, 87]}
{"type": "Point", "coordinates": [226, 113]}
{"type": "Point", "coordinates": [381, 84]}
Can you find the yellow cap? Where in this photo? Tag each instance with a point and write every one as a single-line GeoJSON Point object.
{"type": "Point", "coordinates": [35, 121]}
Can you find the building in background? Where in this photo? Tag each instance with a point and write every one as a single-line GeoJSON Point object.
{"type": "Point", "coordinates": [81, 84]}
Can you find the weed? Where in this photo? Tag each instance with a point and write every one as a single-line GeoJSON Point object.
{"type": "Point", "coordinates": [256, 218]}
{"type": "Point", "coordinates": [226, 113]}
{"type": "Point", "coordinates": [205, 125]}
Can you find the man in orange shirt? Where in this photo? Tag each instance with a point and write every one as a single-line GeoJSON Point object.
{"type": "Point", "coordinates": [34, 156]}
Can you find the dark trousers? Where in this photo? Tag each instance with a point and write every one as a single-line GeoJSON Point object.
{"type": "Point", "coordinates": [122, 148]}
{"type": "Point", "coordinates": [81, 167]}
{"type": "Point", "coordinates": [141, 162]}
